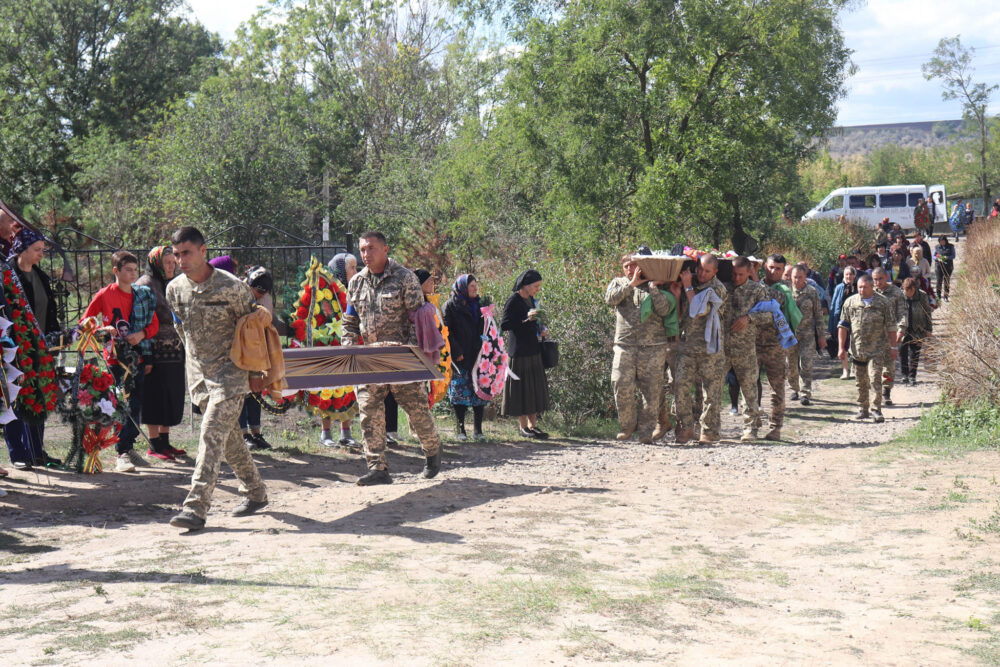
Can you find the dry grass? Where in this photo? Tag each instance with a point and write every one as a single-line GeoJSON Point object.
{"type": "Point", "coordinates": [968, 350]}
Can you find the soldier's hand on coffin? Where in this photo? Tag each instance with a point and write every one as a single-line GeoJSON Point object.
{"type": "Point", "coordinates": [636, 278]}
{"type": "Point", "coordinates": [256, 384]}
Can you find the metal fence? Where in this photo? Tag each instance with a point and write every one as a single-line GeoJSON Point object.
{"type": "Point", "coordinates": [77, 274]}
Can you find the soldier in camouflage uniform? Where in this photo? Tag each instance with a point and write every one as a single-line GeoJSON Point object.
{"type": "Point", "coordinates": [381, 296]}
{"type": "Point", "coordinates": [741, 331]}
{"type": "Point", "coordinates": [694, 361]}
{"type": "Point", "coordinates": [812, 330]}
{"type": "Point", "coordinates": [898, 300]}
{"type": "Point", "coordinates": [640, 349]}
{"type": "Point", "coordinates": [867, 327]}
{"type": "Point", "coordinates": [208, 303]}
{"type": "Point", "coordinates": [770, 354]}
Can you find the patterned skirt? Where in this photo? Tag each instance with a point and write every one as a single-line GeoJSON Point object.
{"type": "Point", "coordinates": [460, 391]}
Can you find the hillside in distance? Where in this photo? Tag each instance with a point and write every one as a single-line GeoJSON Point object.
{"type": "Point", "coordinates": [859, 140]}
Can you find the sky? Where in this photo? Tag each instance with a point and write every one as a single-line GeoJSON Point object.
{"type": "Point", "coordinates": [891, 39]}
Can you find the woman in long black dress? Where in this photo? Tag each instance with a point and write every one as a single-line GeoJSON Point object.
{"type": "Point", "coordinates": [164, 386]}
{"type": "Point", "coordinates": [464, 320]}
{"type": "Point", "coordinates": [527, 396]}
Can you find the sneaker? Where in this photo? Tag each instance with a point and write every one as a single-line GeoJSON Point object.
{"type": "Point", "coordinates": [373, 477]}
{"type": "Point", "coordinates": [178, 453]}
{"type": "Point", "coordinates": [527, 433]}
{"type": "Point", "coordinates": [327, 442]}
{"type": "Point", "coordinates": [461, 436]}
{"type": "Point", "coordinates": [21, 465]}
{"type": "Point", "coordinates": [392, 438]}
{"type": "Point", "coordinates": [734, 411]}
{"type": "Point", "coordinates": [540, 434]}
{"type": "Point", "coordinates": [248, 507]}
{"type": "Point", "coordinates": [845, 376]}
{"type": "Point", "coordinates": [794, 396]}
{"type": "Point", "coordinates": [136, 459]}
{"type": "Point", "coordinates": [124, 463]}
{"type": "Point", "coordinates": [259, 442]}
{"type": "Point", "coordinates": [347, 441]}
{"type": "Point", "coordinates": [479, 437]}
{"type": "Point", "coordinates": [188, 520]}
{"type": "Point", "coordinates": [877, 416]}
{"type": "Point", "coordinates": [861, 414]}
{"type": "Point", "coordinates": [163, 456]}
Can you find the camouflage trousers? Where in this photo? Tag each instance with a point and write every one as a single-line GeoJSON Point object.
{"type": "Point", "coordinates": [639, 368]}
{"type": "Point", "coordinates": [800, 367]}
{"type": "Point", "coordinates": [697, 368]}
{"type": "Point", "coordinates": [668, 411]}
{"type": "Point", "coordinates": [772, 358]}
{"type": "Point", "coordinates": [220, 436]}
{"type": "Point", "coordinates": [869, 379]}
{"type": "Point", "coordinates": [744, 364]}
{"type": "Point", "coordinates": [412, 398]}
{"type": "Point", "coordinates": [887, 368]}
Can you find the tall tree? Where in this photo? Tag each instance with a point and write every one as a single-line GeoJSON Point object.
{"type": "Point", "coordinates": [70, 66]}
{"type": "Point", "coordinates": [952, 64]}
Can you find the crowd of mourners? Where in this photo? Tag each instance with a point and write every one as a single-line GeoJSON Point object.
{"type": "Point", "coordinates": [676, 343]}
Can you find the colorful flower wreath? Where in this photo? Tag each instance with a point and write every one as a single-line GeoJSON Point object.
{"type": "Point", "coordinates": [39, 392]}
{"type": "Point", "coordinates": [439, 388]}
{"type": "Point", "coordinates": [490, 372]}
{"type": "Point", "coordinates": [99, 408]}
{"type": "Point", "coordinates": [329, 300]}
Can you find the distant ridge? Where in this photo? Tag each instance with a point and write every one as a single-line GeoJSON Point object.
{"type": "Point", "coordinates": [859, 140]}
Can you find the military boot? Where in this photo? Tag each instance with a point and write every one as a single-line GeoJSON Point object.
{"type": "Point", "coordinates": [625, 435]}
{"type": "Point", "coordinates": [887, 395]}
{"type": "Point", "coordinates": [663, 425]}
{"type": "Point", "coordinates": [432, 466]}
{"type": "Point", "coordinates": [683, 435]}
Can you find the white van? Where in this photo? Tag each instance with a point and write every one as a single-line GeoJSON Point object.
{"type": "Point", "coordinates": [868, 205]}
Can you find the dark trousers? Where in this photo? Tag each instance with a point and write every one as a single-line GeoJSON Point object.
{"type": "Point", "coordinates": [391, 413]}
{"type": "Point", "coordinates": [24, 441]}
{"type": "Point", "coordinates": [250, 417]}
{"type": "Point", "coordinates": [130, 430]}
{"type": "Point", "coordinates": [943, 272]}
{"type": "Point", "coordinates": [909, 355]}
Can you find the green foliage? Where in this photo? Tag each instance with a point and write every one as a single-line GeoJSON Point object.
{"type": "Point", "coordinates": [949, 428]}
{"type": "Point", "coordinates": [820, 242]}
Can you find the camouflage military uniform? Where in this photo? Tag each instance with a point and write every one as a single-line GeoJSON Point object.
{"type": "Point", "coordinates": [869, 326]}
{"type": "Point", "coordinates": [741, 352]}
{"type": "Point", "coordinates": [383, 304]}
{"type": "Point", "coordinates": [811, 327]}
{"type": "Point", "coordinates": [208, 313]}
{"type": "Point", "coordinates": [898, 300]}
{"type": "Point", "coordinates": [695, 365]}
{"type": "Point", "coordinates": [640, 354]}
{"type": "Point", "coordinates": [771, 356]}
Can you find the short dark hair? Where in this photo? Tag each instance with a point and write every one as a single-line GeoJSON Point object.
{"type": "Point", "coordinates": [368, 236]}
{"type": "Point", "coordinates": [188, 234]}
{"type": "Point", "coordinates": [863, 277]}
{"type": "Point", "coordinates": [911, 283]}
{"type": "Point", "coordinates": [740, 262]}
{"type": "Point", "coordinates": [123, 257]}
{"type": "Point", "coordinates": [777, 258]}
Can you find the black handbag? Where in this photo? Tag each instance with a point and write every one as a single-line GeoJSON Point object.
{"type": "Point", "coordinates": [550, 353]}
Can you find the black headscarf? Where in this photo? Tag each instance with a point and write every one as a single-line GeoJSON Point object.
{"type": "Point", "coordinates": [529, 277]}
{"type": "Point", "coordinates": [422, 275]}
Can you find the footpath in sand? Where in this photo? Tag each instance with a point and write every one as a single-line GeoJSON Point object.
{"type": "Point", "coordinates": [832, 548]}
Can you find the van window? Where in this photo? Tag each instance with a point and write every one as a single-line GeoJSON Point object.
{"type": "Point", "coordinates": [914, 198]}
{"type": "Point", "coordinates": [834, 203]}
{"type": "Point", "coordinates": [862, 201]}
{"type": "Point", "coordinates": [893, 200]}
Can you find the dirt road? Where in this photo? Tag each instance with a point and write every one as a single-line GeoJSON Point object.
{"type": "Point", "coordinates": [832, 548]}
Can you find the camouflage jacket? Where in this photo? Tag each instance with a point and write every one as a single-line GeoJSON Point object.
{"type": "Point", "coordinates": [693, 328]}
{"type": "Point", "coordinates": [813, 323]}
{"type": "Point", "coordinates": [898, 301]}
{"type": "Point", "coordinates": [382, 306]}
{"type": "Point", "coordinates": [741, 300]}
{"type": "Point", "coordinates": [627, 302]}
{"type": "Point", "coordinates": [768, 336]}
{"type": "Point", "coordinates": [869, 325]}
{"type": "Point", "coordinates": [207, 314]}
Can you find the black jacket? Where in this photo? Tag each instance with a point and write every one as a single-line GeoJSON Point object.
{"type": "Point", "coordinates": [51, 316]}
{"type": "Point", "coordinates": [523, 341]}
{"type": "Point", "coordinates": [464, 331]}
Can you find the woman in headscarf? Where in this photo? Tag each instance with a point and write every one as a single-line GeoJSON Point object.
{"type": "Point", "coordinates": [224, 262]}
{"type": "Point", "coordinates": [956, 220]}
{"type": "Point", "coordinates": [25, 436]}
{"type": "Point", "coordinates": [464, 320]}
{"type": "Point", "coordinates": [164, 385]}
{"type": "Point", "coordinates": [527, 396]}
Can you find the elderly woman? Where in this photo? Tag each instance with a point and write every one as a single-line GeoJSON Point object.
{"type": "Point", "coordinates": [844, 290]}
{"type": "Point", "coordinates": [920, 268]}
{"type": "Point", "coordinates": [464, 320]}
{"type": "Point", "coordinates": [919, 327]}
{"type": "Point", "coordinates": [527, 396]}
{"type": "Point", "coordinates": [164, 385]}
{"type": "Point", "coordinates": [25, 437]}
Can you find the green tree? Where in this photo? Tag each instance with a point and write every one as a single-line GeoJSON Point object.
{"type": "Point", "coordinates": [952, 64]}
{"type": "Point", "coordinates": [69, 67]}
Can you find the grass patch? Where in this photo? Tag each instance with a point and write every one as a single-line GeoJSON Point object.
{"type": "Point", "coordinates": [988, 582]}
{"type": "Point", "coordinates": [948, 430]}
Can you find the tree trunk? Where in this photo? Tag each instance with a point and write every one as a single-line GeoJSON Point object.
{"type": "Point", "coordinates": [739, 237]}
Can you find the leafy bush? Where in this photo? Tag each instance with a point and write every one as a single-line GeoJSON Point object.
{"type": "Point", "coordinates": [820, 242]}
{"type": "Point", "coordinates": [951, 428]}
